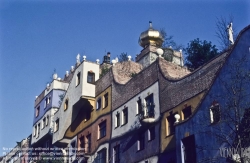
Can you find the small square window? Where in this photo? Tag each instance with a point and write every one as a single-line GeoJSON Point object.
{"type": "Point", "coordinates": [106, 100]}
{"type": "Point", "coordinates": [99, 103]}
{"type": "Point", "coordinates": [78, 78]}
{"type": "Point", "coordinates": [102, 129]}
{"type": "Point", "coordinates": [125, 116]}
{"type": "Point", "coordinates": [91, 77]}
{"type": "Point", "coordinates": [187, 112]}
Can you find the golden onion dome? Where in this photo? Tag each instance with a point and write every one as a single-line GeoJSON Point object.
{"type": "Point", "coordinates": [150, 37]}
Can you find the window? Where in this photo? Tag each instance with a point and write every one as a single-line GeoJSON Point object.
{"type": "Point", "coordinates": [66, 104]}
{"type": "Point", "coordinates": [101, 156]}
{"type": "Point", "coordinates": [150, 106]}
{"type": "Point", "coordinates": [99, 103]}
{"type": "Point", "coordinates": [151, 133]}
{"type": "Point", "coordinates": [78, 78]}
{"type": "Point", "coordinates": [44, 121]}
{"type": "Point", "coordinates": [45, 103]}
{"type": "Point", "coordinates": [187, 112]}
{"type": "Point", "coordinates": [106, 100]}
{"type": "Point", "coordinates": [125, 116]}
{"type": "Point", "coordinates": [49, 99]}
{"type": "Point", "coordinates": [37, 111]}
{"type": "Point", "coordinates": [102, 129]}
{"type": "Point", "coordinates": [87, 115]}
{"type": "Point", "coordinates": [139, 106]}
{"type": "Point", "coordinates": [215, 113]}
{"type": "Point", "coordinates": [170, 129]}
{"type": "Point", "coordinates": [88, 145]}
{"type": "Point", "coordinates": [47, 121]}
{"type": "Point", "coordinates": [47, 144]}
{"type": "Point", "coordinates": [82, 142]}
{"type": "Point", "coordinates": [56, 125]}
{"type": "Point", "coordinates": [188, 149]}
{"type": "Point", "coordinates": [140, 142]}
{"type": "Point", "coordinates": [34, 134]}
{"type": "Point", "coordinates": [72, 148]}
{"type": "Point", "coordinates": [117, 154]}
{"type": "Point", "coordinates": [38, 129]}
{"type": "Point", "coordinates": [91, 77]}
{"type": "Point", "coordinates": [117, 119]}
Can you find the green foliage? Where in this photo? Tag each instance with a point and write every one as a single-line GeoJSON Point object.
{"type": "Point", "coordinates": [123, 57]}
{"type": "Point", "coordinates": [199, 52]}
{"type": "Point", "coordinates": [133, 74]}
{"type": "Point", "coordinates": [104, 70]}
{"type": "Point", "coordinates": [168, 41]}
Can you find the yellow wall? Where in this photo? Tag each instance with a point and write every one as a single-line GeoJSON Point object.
{"type": "Point", "coordinates": [168, 141]}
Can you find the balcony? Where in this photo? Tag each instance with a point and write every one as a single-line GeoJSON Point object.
{"type": "Point", "coordinates": [147, 114]}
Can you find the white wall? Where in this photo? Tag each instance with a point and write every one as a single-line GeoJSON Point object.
{"type": "Point", "coordinates": [132, 111]}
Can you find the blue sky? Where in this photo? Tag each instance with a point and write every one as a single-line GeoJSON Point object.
{"type": "Point", "coordinates": [37, 37]}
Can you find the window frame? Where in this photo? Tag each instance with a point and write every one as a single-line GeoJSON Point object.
{"type": "Point", "coordinates": [91, 77]}
{"type": "Point", "coordinates": [125, 116]}
{"type": "Point", "coordinates": [99, 103]}
{"type": "Point", "coordinates": [115, 149]}
{"type": "Point", "coordinates": [151, 133]}
{"type": "Point", "coordinates": [66, 104]}
{"type": "Point", "coordinates": [215, 113]}
{"type": "Point", "coordinates": [106, 100]}
{"type": "Point", "coordinates": [187, 112]}
{"type": "Point", "coordinates": [141, 141]}
{"type": "Point", "coordinates": [88, 143]}
{"type": "Point", "coordinates": [37, 111]}
{"type": "Point", "coordinates": [102, 129]}
{"type": "Point", "coordinates": [117, 120]}
{"type": "Point", "coordinates": [78, 78]}
{"type": "Point", "coordinates": [56, 125]}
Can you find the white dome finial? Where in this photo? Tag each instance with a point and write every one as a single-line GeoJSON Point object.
{"type": "Point", "coordinates": [177, 118]}
{"type": "Point", "coordinates": [84, 57]}
{"type": "Point", "coordinates": [78, 58]}
{"type": "Point", "coordinates": [129, 58]}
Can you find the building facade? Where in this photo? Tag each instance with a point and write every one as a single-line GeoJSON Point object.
{"type": "Point", "coordinates": [149, 111]}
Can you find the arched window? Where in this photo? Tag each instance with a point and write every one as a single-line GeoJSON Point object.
{"type": "Point", "coordinates": [215, 112]}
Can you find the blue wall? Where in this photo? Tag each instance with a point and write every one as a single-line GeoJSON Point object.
{"type": "Point", "coordinates": [128, 146]}
{"type": "Point", "coordinates": [207, 144]}
{"type": "Point", "coordinates": [54, 94]}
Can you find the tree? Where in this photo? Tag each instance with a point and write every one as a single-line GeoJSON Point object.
{"type": "Point", "coordinates": [168, 41]}
{"type": "Point", "coordinates": [199, 52]}
{"type": "Point", "coordinates": [221, 32]}
{"type": "Point", "coordinates": [123, 57]}
{"type": "Point", "coordinates": [231, 129]}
